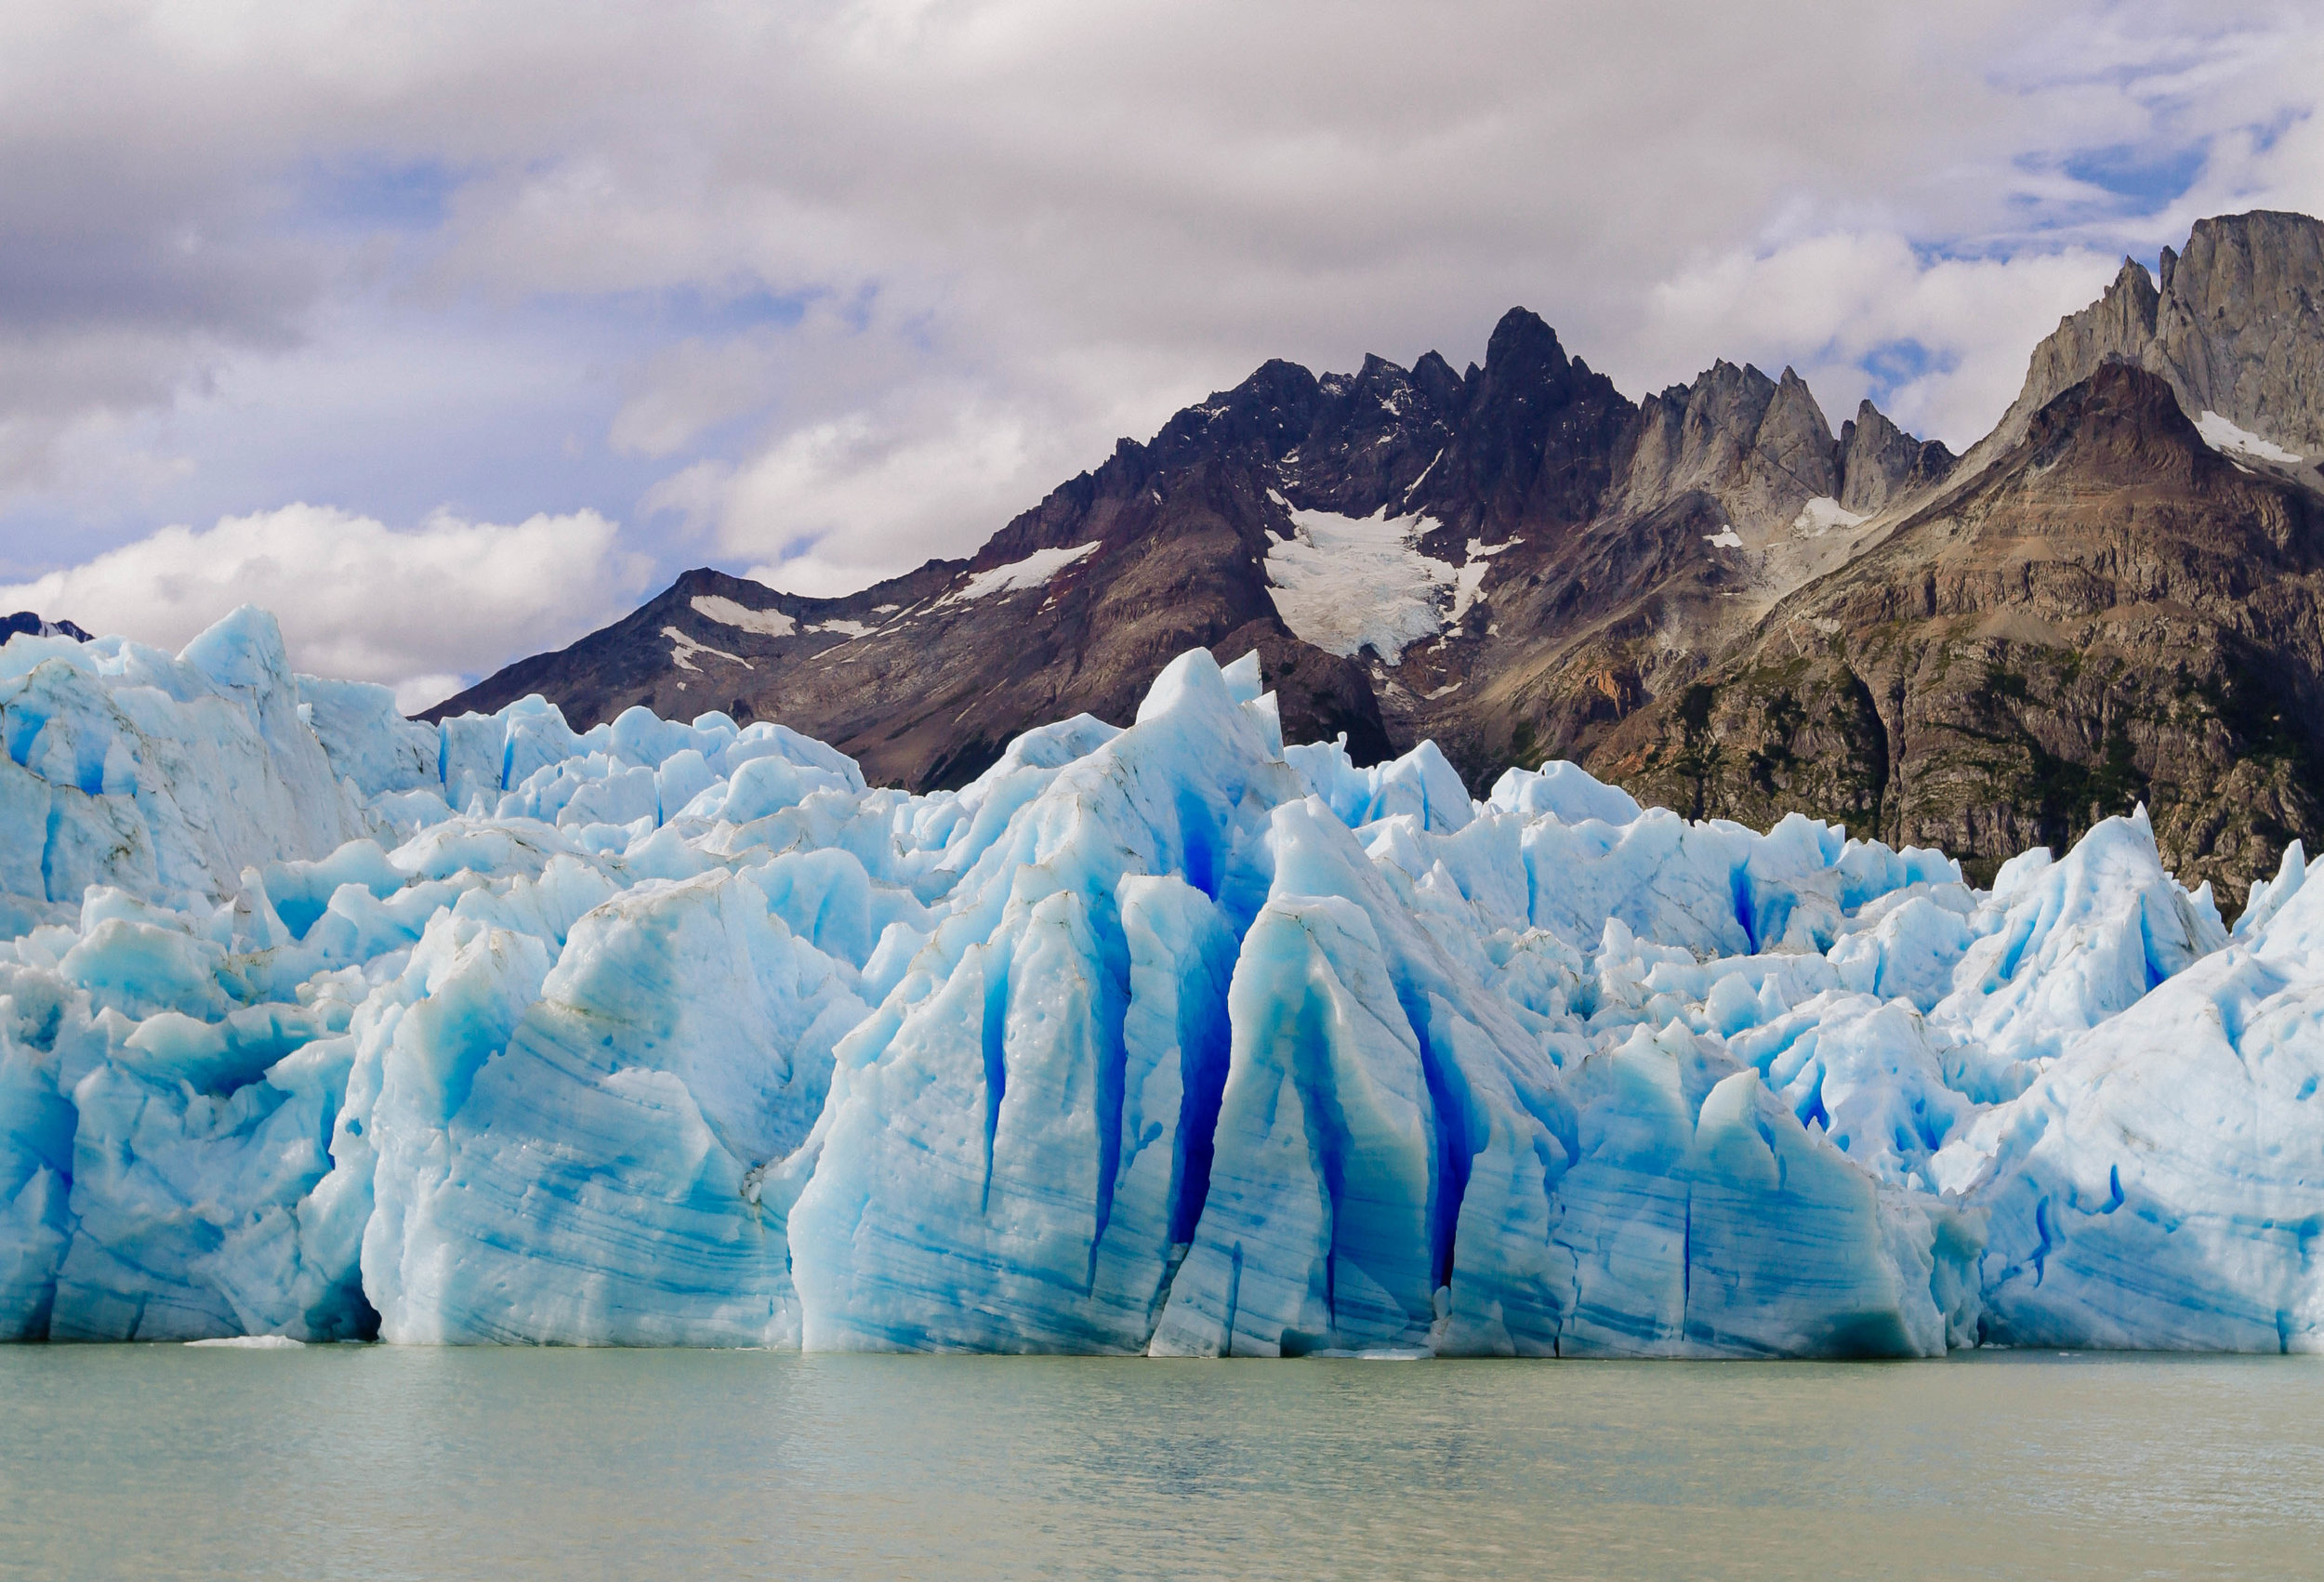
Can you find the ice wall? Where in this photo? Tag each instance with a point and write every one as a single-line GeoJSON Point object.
{"type": "Point", "coordinates": [321, 1022]}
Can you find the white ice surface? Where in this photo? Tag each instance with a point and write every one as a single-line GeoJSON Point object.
{"type": "Point", "coordinates": [253, 1342]}
{"type": "Point", "coordinates": [317, 1023]}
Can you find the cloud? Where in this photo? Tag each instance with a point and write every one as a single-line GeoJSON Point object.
{"type": "Point", "coordinates": [423, 609]}
{"type": "Point", "coordinates": [1940, 344]}
{"type": "Point", "coordinates": [833, 286]}
{"type": "Point", "coordinates": [800, 507]}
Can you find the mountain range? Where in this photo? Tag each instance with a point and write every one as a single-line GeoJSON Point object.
{"type": "Point", "coordinates": [1707, 596]}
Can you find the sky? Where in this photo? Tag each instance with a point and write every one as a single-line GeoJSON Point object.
{"type": "Point", "coordinates": [451, 332]}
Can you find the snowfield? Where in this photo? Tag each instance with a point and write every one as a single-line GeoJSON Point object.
{"type": "Point", "coordinates": [317, 1023]}
{"type": "Point", "coordinates": [2227, 439]}
{"type": "Point", "coordinates": [1344, 583]}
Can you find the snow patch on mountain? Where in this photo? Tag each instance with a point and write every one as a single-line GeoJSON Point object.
{"type": "Point", "coordinates": [1822, 514]}
{"type": "Point", "coordinates": [726, 613]}
{"type": "Point", "coordinates": [1031, 571]}
{"type": "Point", "coordinates": [2224, 437]}
{"type": "Point", "coordinates": [1345, 583]}
{"type": "Point", "coordinates": [682, 649]}
{"type": "Point", "coordinates": [1468, 587]}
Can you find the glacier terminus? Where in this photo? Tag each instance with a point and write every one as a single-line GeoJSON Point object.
{"type": "Point", "coordinates": [322, 1023]}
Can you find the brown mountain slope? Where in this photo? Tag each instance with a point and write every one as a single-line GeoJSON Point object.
{"type": "Point", "coordinates": [2110, 612]}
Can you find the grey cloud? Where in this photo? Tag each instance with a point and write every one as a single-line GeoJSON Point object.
{"type": "Point", "coordinates": [1028, 226]}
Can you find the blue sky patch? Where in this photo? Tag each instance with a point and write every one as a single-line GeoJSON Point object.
{"type": "Point", "coordinates": [2148, 180]}
{"type": "Point", "coordinates": [370, 192]}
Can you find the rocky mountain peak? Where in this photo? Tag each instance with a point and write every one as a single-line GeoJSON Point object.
{"type": "Point", "coordinates": [2236, 326]}
{"type": "Point", "coordinates": [2122, 422]}
{"type": "Point", "coordinates": [2120, 326]}
{"type": "Point", "coordinates": [1760, 447]}
{"type": "Point", "coordinates": [1536, 435]}
{"type": "Point", "coordinates": [1795, 444]}
{"type": "Point", "coordinates": [1880, 462]}
{"type": "Point", "coordinates": [2239, 329]}
{"type": "Point", "coordinates": [1434, 378]}
{"type": "Point", "coordinates": [1524, 351]}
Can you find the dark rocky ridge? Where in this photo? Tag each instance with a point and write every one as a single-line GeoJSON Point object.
{"type": "Point", "coordinates": [2091, 607]}
{"type": "Point", "coordinates": [1533, 454]}
{"type": "Point", "coordinates": [27, 623]}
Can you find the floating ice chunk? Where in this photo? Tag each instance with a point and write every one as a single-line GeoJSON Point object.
{"type": "Point", "coordinates": [253, 1342]}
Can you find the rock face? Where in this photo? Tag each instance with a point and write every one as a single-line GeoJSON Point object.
{"type": "Point", "coordinates": [2111, 612]}
{"type": "Point", "coordinates": [1880, 462]}
{"type": "Point", "coordinates": [2237, 327]}
{"type": "Point", "coordinates": [2239, 324]}
{"type": "Point", "coordinates": [1708, 596]}
{"type": "Point", "coordinates": [1760, 447]}
{"type": "Point", "coordinates": [1532, 474]}
{"type": "Point", "coordinates": [1075, 605]}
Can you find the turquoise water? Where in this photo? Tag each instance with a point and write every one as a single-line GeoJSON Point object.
{"type": "Point", "coordinates": [391, 1463]}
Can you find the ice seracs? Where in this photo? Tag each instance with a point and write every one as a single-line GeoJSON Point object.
{"type": "Point", "coordinates": [319, 1024]}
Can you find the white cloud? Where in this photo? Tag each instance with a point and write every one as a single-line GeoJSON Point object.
{"type": "Point", "coordinates": [825, 510]}
{"type": "Point", "coordinates": [419, 609]}
{"type": "Point", "coordinates": [1021, 228]}
{"type": "Point", "coordinates": [1828, 304]}
{"type": "Point", "coordinates": [694, 385]}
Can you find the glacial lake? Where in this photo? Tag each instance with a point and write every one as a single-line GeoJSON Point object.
{"type": "Point", "coordinates": [380, 1462]}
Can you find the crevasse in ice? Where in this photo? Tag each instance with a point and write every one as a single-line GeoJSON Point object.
{"type": "Point", "coordinates": [316, 1022]}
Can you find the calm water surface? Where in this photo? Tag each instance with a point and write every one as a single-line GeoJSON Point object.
{"type": "Point", "coordinates": [382, 1462]}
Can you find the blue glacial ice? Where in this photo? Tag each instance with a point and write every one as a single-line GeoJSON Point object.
{"type": "Point", "coordinates": [322, 1023]}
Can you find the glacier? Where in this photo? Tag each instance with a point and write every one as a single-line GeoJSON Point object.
{"type": "Point", "coordinates": [319, 1024]}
